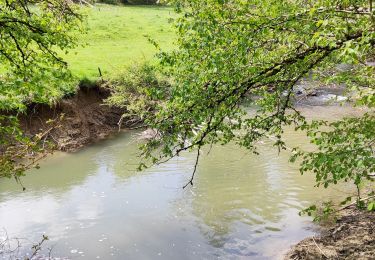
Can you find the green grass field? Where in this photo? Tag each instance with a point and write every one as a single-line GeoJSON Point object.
{"type": "Point", "coordinates": [117, 36]}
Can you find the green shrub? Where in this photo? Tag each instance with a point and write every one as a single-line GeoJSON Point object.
{"type": "Point", "coordinates": [139, 89]}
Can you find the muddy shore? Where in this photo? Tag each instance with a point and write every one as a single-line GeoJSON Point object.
{"type": "Point", "coordinates": [352, 237]}
{"type": "Point", "coordinates": [77, 121]}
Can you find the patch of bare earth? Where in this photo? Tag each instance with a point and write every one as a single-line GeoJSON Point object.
{"type": "Point", "coordinates": [352, 237]}
{"type": "Point", "coordinates": [85, 119]}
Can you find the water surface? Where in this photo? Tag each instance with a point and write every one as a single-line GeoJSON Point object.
{"type": "Point", "coordinates": [92, 204]}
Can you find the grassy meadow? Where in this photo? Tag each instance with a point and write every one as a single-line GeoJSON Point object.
{"type": "Point", "coordinates": [118, 36]}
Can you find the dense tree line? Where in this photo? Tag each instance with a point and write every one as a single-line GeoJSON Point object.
{"type": "Point", "coordinates": [131, 2]}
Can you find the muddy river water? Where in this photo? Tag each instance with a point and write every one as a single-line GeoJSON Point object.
{"type": "Point", "coordinates": [94, 205]}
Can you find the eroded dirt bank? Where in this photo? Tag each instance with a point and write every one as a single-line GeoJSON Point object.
{"type": "Point", "coordinates": [78, 120]}
{"type": "Point", "coordinates": [352, 237]}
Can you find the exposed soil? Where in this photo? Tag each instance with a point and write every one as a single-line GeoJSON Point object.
{"type": "Point", "coordinates": [352, 237]}
{"type": "Point", "coordinates": [85, 119]}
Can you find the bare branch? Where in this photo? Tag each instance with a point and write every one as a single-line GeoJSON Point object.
{"type": "Point", "coordinates": [195, 169]}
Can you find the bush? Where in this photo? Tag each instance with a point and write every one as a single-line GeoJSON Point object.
{"type": "Point", "coordinates": [139, 89]}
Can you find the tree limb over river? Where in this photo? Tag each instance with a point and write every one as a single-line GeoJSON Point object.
{"type": "Point", "coordinates": [257, 52]}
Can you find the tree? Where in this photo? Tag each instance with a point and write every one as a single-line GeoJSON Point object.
{"type": "Point", "coordinates": [32, 35]}
{"type": "Point", "coordinates": [233, 50]}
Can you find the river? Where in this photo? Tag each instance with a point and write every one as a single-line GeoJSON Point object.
{"type": "Point", "coordinates": [94, 205]}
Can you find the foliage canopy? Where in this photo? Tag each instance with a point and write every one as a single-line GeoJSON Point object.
{"type": "Point", "coordinates": [32, 32]}
{"type": "Point", "coordinates": [233, 50]}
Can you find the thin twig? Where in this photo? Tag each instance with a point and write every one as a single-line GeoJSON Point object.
{"type": "Point", "coordinates": [195, 169]}
{"type": "Point", "coordinates": [319, 248]}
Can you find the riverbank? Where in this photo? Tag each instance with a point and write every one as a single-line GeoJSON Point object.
{"type": "Point", "coordinates": [85, 118]}
{"type": "Point", "coordinates": [352, 237]}
{"type": "Point", "coordinates": [78, 120]}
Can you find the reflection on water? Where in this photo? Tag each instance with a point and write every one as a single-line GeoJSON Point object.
{"type": "Point", "coordinates": [92, 204]}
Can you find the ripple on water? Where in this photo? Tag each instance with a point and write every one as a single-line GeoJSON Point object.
{"type": "Point", "coordinates": [241, 206]}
